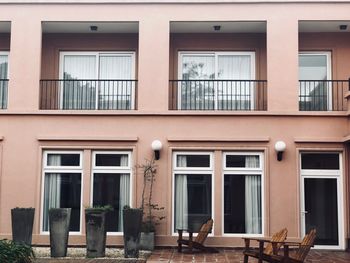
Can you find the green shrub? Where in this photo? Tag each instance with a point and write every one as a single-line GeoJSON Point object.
{"type": "Point", "coordinates": [15, 253]}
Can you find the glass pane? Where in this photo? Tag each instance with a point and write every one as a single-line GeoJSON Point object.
{"type": "Point", "coordinates": [113, 190]}
{"type": "Point", "coordinates": [312, 67]}
{"type": "Point", "coordinates": [197, 93]}
{"type": "Point", "coordinates": [322, 210]}
{"type": "Point", "coordinates": [62, 190]}
{"type": "Point", "coordinates": [111, 159]}
{"type": "Point", "coordinates": [320, 161]}
{"type": "Point", "coordinates": [115, 90]}
{"type": "Point", "coordinates": [193, 160]}
{"type": "Point", "coordinates": [242, 161]}
{"type": "Point", "coordinates": [242, 204]}
{"type": "Point", "coordinates": [63, 159]}
{"type": "Point", "coordinates": [3, 66]}
{"type": "Point", "coordinates": [79, 89]}
{"type": "Point", "coordinates": [192, 201]}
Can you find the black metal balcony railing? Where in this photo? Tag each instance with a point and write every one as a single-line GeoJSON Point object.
{"type": "Point", "coordinates": [88, 94]}
{"type": "Point", "coordinates": [3, 93]}
{"type": "Point", "coordinates": [322, 95]}
{"type": "Point", "coordinates": [228, 95]}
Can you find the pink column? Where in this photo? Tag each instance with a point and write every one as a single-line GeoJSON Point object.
{"type": "Point", "coordinates": [282, 64]}
{"type": "Point", "coordinates": [153, 68]}
{"type": "Point", "coordinates": [24, 64]}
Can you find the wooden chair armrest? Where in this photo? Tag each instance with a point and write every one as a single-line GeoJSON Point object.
{"type": "Point", "coordinates": [257, 239]}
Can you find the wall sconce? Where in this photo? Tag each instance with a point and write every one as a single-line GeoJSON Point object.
{"type": "Point", "coordinates": [280, 146]}
{"type": "Point", "coordinates": [156, 147]}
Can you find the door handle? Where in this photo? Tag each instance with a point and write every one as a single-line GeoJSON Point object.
{"type": "Point", "coordinates": [304, 212]}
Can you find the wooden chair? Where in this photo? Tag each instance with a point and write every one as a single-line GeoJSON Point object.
{"type": "Point", "coordinates": [299, 254]}
{"type": "Point", "coordinates": [261, 251]}
{"type": "Point", "coordinates": [197, 243]}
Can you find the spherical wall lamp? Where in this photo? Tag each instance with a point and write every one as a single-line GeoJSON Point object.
{"type": "Point", "coordinates": [280, 147]}
{"type": "Point", "coordinates": [156, 147]}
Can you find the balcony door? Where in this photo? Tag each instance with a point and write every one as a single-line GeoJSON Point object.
{"type": "Point", "coordinates": [97, 80]}
{"type": "Point", "coordinates": [3, 79]}
{"type": "Point", "coordinates": [216, 80]}
{"type": "Point", "coordinates": [314, 72]}
{"type": "Point", "coordinates": [321, 198]}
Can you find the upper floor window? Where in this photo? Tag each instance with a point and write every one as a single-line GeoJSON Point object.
{"type": "Point", "coordinates": [316, 88]}
{"type": "Point", "coordinates": [3, 79]}
{"type": "Point", "coordinates": [92, 80]}
{"type": "Point", "coordinates": [216, 80]}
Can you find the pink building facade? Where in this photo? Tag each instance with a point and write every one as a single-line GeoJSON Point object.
{"type": "Point", "coordinates": [86, 87]}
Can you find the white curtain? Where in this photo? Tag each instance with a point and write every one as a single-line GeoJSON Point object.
{"type": "Point", "coordinates": [3, 83]}
{"type": "Point", "coordinates": [52, 192]}
{"type": "Point", "coordinates": [116, 94]}
{"type": "Point", "coordinates": [252, 197]}
{"type": "Point", "coordinates": [181, 198]}
{"type": "Point", "coordinates": [124, 191]}
{"type": "Point", "coordinates": [234, 94]}
{"type": "Point", "coordinates": [79, 94]}
{"type": "Point", "coordinates": [197, 94]}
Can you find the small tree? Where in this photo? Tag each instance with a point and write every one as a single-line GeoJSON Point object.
{"type": "Point", "coordinates": [150, 221]}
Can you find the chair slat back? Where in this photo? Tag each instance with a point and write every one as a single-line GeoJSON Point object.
{"type": "Point", "coordinates": [305, 246]}
{"type": "Point", "coordinates": [277, 237]}
{"type": "Point", "coordinates": [204, 231]}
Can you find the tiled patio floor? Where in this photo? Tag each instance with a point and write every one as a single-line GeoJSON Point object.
{"type": "Point", "coordinates": [232, 255]}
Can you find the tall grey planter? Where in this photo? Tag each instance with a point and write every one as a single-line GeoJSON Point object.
{"type": "Point", "coordinates": [132, 220]}
{"type": "Point", "coordinates": [22, 225]}
{"type": "Point", "coordinates": [59, 220]}
{"type": "Point", "coordinates": [95, 222]}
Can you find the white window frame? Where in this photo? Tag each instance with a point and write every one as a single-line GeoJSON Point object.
{"type": "Point", "coordinates": [216, 54]}
{"type": "Point", "coordinates": [324, 174]}
{"type": "Point", "coordinates": [192, 171]}
{"type": "Point", "coordinates": [328, 55]}
{"type": "Point", "coordinates": [111, 170]}
{"type": "Point", "coordinates": [244, 171]}
{"type": "Point", "coordinates": [6, 53]}
{"type": "Point", "coordinates": [97, 65]}
{"type": "Point", "coordinates": [61, 169]}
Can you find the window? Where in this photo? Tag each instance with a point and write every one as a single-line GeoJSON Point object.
{"type": "Point", "coordinates": [3, 79]}
{"type": "Point", "coordinates": [111, 185]}
{"type": "Point", "coordinates": [216, 80]}
{"type": "Point", "coordinates": [192, 189]}
{"type": "Point", "coordinates": [62, 185]}
{"type": "Point", "coordinates": [97, 80]}
{"type": "Point", "coordinates": [314, 72]}
{"type": "Point", "coordinates": [243, 184]}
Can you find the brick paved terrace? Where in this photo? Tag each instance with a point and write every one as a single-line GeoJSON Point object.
{"type": "Point", "coordinates": [236, 255]}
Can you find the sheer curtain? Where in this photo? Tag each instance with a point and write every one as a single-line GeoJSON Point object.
{"type": "Point", "coordinates": [252, 197]}
{"type": "Point", "coordinates": [124, 191]}
{"type": "Point", "coordinates": [52, 186]}
{"type": "Point", "coordinates": [197, 94]}
{"type": "Point", "coordinates": [234, 94]}
{"type": "Point", "coordinates": [116, 94]}
{"type": "Point", "coordinates": [181, 198]}
{"type": "Point", "coordinates": [79, 94]}
{"type": "Point", "coordinates": [3, 84]}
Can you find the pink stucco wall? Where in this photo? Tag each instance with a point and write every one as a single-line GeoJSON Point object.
{"type": "Point", "coordinates": [25, 130]}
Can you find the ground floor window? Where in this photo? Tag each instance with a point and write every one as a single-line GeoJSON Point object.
{"type": "Point", "coordinates": [192, 190]}
{"type": "Point", "coordinates": [62, 186]}
{"type": "Point", "coordinates": [111, 185]}
{"type": "Point", "coordinates": [243, 193]}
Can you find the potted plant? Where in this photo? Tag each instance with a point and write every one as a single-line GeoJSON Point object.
{"type": "Point", "coordinates": [59, 221]}
{"type": "Point", "coordinates": [132, 219]}
{"type": "Point", "coordinates": [22, 224]}
{"type": "Point", "coordinates": [150, 210]}
{"type": "Point", "coordinates": [95, 224]}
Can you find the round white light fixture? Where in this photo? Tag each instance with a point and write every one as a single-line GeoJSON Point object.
{"type": "Point", "coordinates": [156, 147]}
{"type": "Point", "coordinates": [280, 147]}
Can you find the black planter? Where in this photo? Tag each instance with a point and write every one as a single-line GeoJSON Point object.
{"type": "Point", "coordinates": [95, 232]}
{"type": "Point", "coordinates": [132, 220]}
{"type": "Point", "coordinates": [22, 225]}
{"type": "Point", "coordinates": [59, 220]}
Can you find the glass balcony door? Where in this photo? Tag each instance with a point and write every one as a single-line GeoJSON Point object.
{"type": "Point", "coordinates": [216, 80]}
{"type": "Point", "coordinates": [3, 79]}
{"type": "Point", "coordinates": [97, 80]}
{"type": "Point", "coordinates": [315, 91]}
